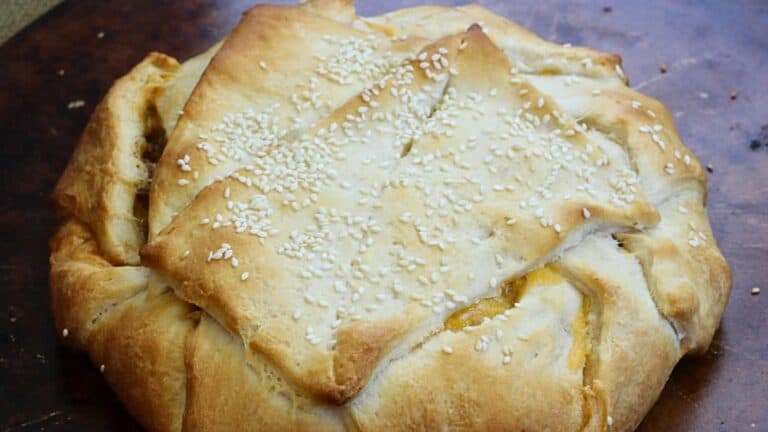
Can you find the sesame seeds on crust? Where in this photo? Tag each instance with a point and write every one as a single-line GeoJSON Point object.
{"type": "Point", "coordinates": [333, 216]}
{"type": "Point", "coordinates": [368, 211]}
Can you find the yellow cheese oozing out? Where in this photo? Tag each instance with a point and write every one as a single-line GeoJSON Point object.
{"type": "Point", "coordinates": [577, 357]}
{"type": "Point", "coordinates": [382, 28]}
{"type": "Point", "coordinates": [511, 292]}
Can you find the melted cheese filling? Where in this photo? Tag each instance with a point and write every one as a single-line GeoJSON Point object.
{"type": "Point", "coordinates": [511, 292]}
{"type": "Point", "coordinates": [577, 357]}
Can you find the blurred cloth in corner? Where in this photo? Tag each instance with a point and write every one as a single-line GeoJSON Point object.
{"type": "Point", "coordinates": [17, 14]}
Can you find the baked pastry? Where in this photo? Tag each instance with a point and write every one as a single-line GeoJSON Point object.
{"type": "Point", "coordinates": [426, 220]}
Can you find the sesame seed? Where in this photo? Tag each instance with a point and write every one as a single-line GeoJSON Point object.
{"type": "Point", "coordinates": [101, 368]}
{"type": "Point", "coordinates": [65, 332]}
{"type": "Point", "coordinates": [447, 349]}
{"type": "Point", "coordinates": [76, 104]}
{"type": "Point", "coordinates": [244, 276]}
{"type": "Point", "coordinates": [294, 179]}
{"type": "Point", "coordinates": [755, 291]}
{"type": "Point", "coordinates": [620, 71]}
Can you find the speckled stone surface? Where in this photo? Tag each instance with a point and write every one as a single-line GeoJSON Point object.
{"type": "Point", "coordinates": [716, 59]}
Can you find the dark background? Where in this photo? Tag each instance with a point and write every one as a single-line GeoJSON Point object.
{"type": "Point", "coordinates": [716, 82]}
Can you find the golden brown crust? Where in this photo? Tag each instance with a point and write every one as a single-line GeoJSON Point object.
{"type": "Point", "coordinates": [178, 89]}
{"type": "Point", "coordinates": [526, 51]}
{"type": "Point", "coordinates": [227, 391]}
{"type": "Point", "coordinates": [84, 285]}
{"type": "Point", "coordinates": [270, 81]}
{"type": "Point", "coordinates": [360, 347]}
{"type": "Point", "coordinates": [337, 10]}
{"type": "Point", "coordinates": [170, 103]}
{"type": "Point", "coordinates": [520, 381]}
{"type": "Point", "coordinates": [335, 187]}
{"type": "Point", "coordinates": [106, 170]}
{"type": "Point", "coordinates": [639, 124]}
{"type": "Point", "coordinates": [680, 257]}
{"type": "Point", "coordinates": [140, 348]}
{"type": "Point", "coordinates": [633, 348]}
{"type": "Point", "coordinates": [261, 322]}
{"type": "Point", "coordinates": [264, 331]}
